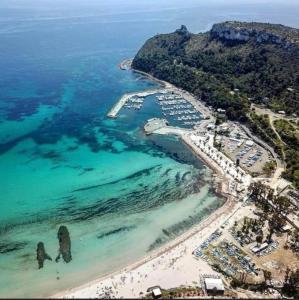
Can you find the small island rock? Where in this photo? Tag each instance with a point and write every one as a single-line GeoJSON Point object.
{"type": "Point", "coordinates": [64, 244]}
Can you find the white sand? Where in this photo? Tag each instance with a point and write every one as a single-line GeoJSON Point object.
{"type": "Point", "coordinates": [172, 266]}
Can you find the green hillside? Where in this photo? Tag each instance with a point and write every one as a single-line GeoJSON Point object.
{"type": "Point", "coordinates": [229, 67]}
{"type": "Point", "coordinates": [261, 60]}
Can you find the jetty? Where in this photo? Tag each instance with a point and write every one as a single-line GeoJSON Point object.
{"type": "Point", "coordinates": [126, 97]}
{"type": "Point", "coordinates": [160, 126]}
{"type": "Point", "coordinates": [126, 64]}
{"type": "Point", "coordinates": [202, 144]}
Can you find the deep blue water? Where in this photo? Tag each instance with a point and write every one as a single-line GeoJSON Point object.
{"type": "Point", "coordinates": [63, 162]}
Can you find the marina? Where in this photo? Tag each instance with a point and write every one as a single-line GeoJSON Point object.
{"type": "Point", "coordinates": [135, 96]}
{"type": "Point", "coordinates": [174, 105]}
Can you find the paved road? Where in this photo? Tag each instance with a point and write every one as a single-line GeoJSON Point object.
{"type": "Point", "coordinates": [280, 164]}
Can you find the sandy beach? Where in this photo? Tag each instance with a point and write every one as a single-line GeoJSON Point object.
{"type": "Point", "coordinates": [174, 264]}
{"type": "Point", "coordinates": [171, 266]}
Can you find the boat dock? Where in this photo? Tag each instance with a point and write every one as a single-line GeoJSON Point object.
{"type": "Point", "coordinates": [126, 97]}
{"type": "Point", "coordinates": [160, 126]}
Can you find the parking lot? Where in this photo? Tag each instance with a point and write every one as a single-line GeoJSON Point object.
{"type": "Point", "coordinates": [227, 256]}
{"type": "Point", "coordinates": [252, 157]}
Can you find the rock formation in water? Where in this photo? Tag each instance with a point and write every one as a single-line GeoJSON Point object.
{"type": "Point", "coordinates": [41, 255]}
{"type": "Point", "coordinates": [64, 244]}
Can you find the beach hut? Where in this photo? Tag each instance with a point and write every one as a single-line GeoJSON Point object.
{"type": "Point", "coordinates": [214, 286]}
{"type": "Point", "coordinates": [156, 292]}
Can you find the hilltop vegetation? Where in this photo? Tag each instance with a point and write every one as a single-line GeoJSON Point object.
{"type": "Point", "coordinates": [289, 134]}
{"type": "Point", "coordinates": [230, 67]}
{"type": "Point", "coordinates": [261, 60]}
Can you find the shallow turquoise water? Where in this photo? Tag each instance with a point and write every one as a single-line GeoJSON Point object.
{"type": "Point", "coordinates": [120, 193]}
{"type": "Point", "coordinates": [63, 162]}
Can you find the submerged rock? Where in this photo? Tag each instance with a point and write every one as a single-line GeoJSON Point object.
{"type": "Point", "coordinates": [64, 244]}
{"type": "Point", "coordinates": [41, 255]}
{"type": "Point", "coordinates": [6, 247]}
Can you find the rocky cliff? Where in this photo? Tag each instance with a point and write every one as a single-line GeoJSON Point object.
{"type": "Point", "coordinates": [260, 60]}
{"type": "Point", "coordinates": [260, 33]}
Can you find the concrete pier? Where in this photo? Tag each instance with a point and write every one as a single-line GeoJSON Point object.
{"type": "Point", "coordinates": [123, 100]}
{"type": "Point", "coordinates": [160, 126]}
{"type": "Point", "coordinates": [203, 146]}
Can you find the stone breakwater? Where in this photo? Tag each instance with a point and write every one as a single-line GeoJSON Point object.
{"type": "Point", "coordinates": [235, 180]}
{"type": "Point", "coordinates": [124, 99]}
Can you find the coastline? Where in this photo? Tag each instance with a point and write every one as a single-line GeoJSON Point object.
{"type": "Point", "coordinates": [167, 85]}
{"type": "Point", "coordinates": [205, 227]}
{"type": "Point", "coordinates": [228, 206]}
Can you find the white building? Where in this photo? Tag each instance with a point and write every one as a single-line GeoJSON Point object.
{"type": "Point", "coordinates": [249, 143]}
{"type": "Point", "coordinates": [157, 293]}
{"type": "Point", "coordinates": [214, 285]}
{"type": "Point", "coordinates": [257, 249]}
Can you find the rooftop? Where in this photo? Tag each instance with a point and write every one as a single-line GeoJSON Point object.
{"type": "Point", "coordinates": [213, 284]}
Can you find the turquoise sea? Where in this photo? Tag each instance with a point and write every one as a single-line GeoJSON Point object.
{"type": "Point", "coordinates": [63, 162]}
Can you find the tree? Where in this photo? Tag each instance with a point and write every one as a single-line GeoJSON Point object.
{"type": "Point", "coordinates": [276, 222]}
{"type": "Point", "coordinates": [274, 207]}
{"type": "Point", "coordinates": [267, 275]}
{"type": "Point", "coordinates": [261, 194]}
{"type": "Point", "coordinates": [291, 283]}
{"type": "Point", "coordinates": [282, 204]}
{"type": "Point", "coordinates": [295, 240]}
{"type": "Point", "coordinates": [259, 238]}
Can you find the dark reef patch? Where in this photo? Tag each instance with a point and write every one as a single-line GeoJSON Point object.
{"type": "Point", "coordinates": [6, 247]}
{"type": "Point", "coordinates": [166, 172]}
{"type": "Point", "coordinates": [145, 172]}
{"type": "Point", "coordinates": [136, 201]}
{"type": "Point", "coordinates": [177, 177]}
{"type": "Point", "coordinates": [64, 244]}
{"type": "Point", "coordinates": [115, 231]}
{"type": "Point", "coordinates": [41, 255]}
{"type": "Point", "coordinates": [185, 175]}
{"type": "Point", "coordinates": [17, 109]}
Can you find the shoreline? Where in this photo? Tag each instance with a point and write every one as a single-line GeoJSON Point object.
{"type": "Point", "coordinates": [229, 204]}
{"type": "Point", "coordinates": [211, 165]}
{"type": "Point", "coordinates": [225, 211]}
{"type": "Point", "coordinates": [167, 85]}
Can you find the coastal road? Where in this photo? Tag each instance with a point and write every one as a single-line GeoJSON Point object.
{"type": "Point", "coordinates": [280, 164]}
